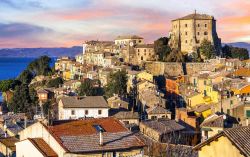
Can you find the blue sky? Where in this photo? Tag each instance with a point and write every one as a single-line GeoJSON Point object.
{"type": "Point", "coordinates": [55, 23]}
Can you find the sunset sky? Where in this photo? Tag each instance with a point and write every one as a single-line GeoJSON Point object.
{"type": "Point", "coordinates": [65, 23]}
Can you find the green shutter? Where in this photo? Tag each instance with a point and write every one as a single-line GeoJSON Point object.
{"type": "Point", "coordinates": [248, 113]}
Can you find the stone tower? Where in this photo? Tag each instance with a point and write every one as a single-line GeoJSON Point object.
{"type": "Point", "coordinates": [188, 32]}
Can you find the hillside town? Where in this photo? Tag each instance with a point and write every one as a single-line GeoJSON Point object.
{"type": "Point", "coordinates": [185, 95]}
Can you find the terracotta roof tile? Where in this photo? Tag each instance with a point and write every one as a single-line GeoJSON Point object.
{"type": "Point", "coordinates": [85, 127]}
{"type": "Point", "coordinates": [239, 136]}
{"type": "Point", "coordinates": [43, 147]}
{"type": "Point", "coordinates": [111, 141]}
{"type": "Point", "coordinates": [85, 102]}
{"type": "Point", "coordinates": [80, 135]}
{"type": "Point", "coordinates": [213, 121]}
{"type": "Point", "coordinates": [128, 37]}
{"type": "Point", "coordinates": [9, 142]}
{"type": "Point", "coordinates": [163, 125]}
{"type": "Point", "coordinates": [196, 16]}
{"type": "Point", "coordinates": [158, 110]}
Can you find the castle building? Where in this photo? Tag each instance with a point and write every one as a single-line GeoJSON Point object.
{"type": "Point", "coordinates": [188, 32]}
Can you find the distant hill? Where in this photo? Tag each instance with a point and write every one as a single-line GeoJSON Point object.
{"type": "Point", "coordinates": [36, 52]}
{"type": "Point", "coordinates": [240, 44]}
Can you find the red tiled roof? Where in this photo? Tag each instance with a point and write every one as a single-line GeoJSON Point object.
{"type": "Point", "coordinates": [43, 147]}
{"type": "Point", "coordinates": [116, 136]}
{"type": "Point", "coordinates": [85, 127]}
{"type": "Point", "coordinates": [9, 142]}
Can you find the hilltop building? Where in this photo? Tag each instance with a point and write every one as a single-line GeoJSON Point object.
{"type": "Point", "coordinates": [129, 40]}
{"type": "Point", "coordinates": [188, 32]}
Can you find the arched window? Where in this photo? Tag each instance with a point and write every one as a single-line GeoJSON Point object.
{"type": "Point", "coordinates": [205, 33]}
{"type": "Point", "coordinates": [141, 57]}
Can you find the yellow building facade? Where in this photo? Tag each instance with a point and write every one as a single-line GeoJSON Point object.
{"type": "Point", "coordinates": [145, 76]}
{"type": "Point", "coordinates": [222, 147]}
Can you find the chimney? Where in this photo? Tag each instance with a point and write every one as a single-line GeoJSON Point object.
{"type": "Point", "coordinates": [5, 129]}
{"type": "Point", "coordinates": [25, 122]}
{"type": "Point", "coordinates": [101, 138]}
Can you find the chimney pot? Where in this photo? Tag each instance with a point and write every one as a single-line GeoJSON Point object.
{"type": "Point", "coordinates": [101, 138]}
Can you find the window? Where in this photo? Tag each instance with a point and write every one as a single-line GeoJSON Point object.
{"type": "Point", "coordinates": [72, 112]}
{"type": "Point", "coordinates": [198, 41]}
{"type": "Point", "coordinates": [205, 25]}
{"type": "Point", "coordinates": [99, 112]}
{"type": "Point", "coordinates": [141, 57]}
{"type": "Point", "coordinates": [231, 102]}
{"type": "Point", "coordinates": [126, 122]}
{"type": "Point", "coordinates": [248, 113]}
{"type": "Point", "coordinates": [186, 25]}
{"type": "Point", "coordinates": [198, 33]}
{"type": "Point", "coordinates": [205, 82]}
{"type": "Point", "coordinates": [145, 50]}
{"type": "Point", "coordinates": [198, 25]}
{"type": "Point", "coordinates": [205, 33]}
{"type": "Point", "coordinates": [86, 112]}
{"type": "Point", "coordinates": [186, 41]}
{"type": "Point", "coordinates": [139, 41]}
{"type": "Point", "coordinates": [138, 50]}
{"type": "Point", "coordinates": [186, 33]}
{"type": "Point", "coordinates": [205, 93]}
{"type": "Point", "coordinates": [153, 117]}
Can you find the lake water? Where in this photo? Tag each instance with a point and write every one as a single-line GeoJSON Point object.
{"type": "Point", "coordinates": [12, 67]}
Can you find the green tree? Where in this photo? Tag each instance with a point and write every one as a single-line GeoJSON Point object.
{"type": "Point", "coordinates": [55, 82]}
{"type": "Point", "coordinates": [5, 85]}
{"type": "Point", "coordinates": [117, 84]}
{"type": "Point", "coordinates": [40, 66]}
{"type": "Point", "coordinates": [235, 52]}
{"type": "Point", "coordinates": [161, 48]}
{"type": "Point", "coordinates": [25, 77]}
{"type": "Point", "coordinates": [21, 100]}
{"type": "Point", "coordinates": [175, 56]}
{"type": "Point", "coordinates": [87, 89]}
{"type": "Point", "coordinates": [33, 96]}
{"type": "Point", "coordinates": [207, 49]}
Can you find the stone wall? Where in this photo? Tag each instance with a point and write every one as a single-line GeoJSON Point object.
{"type": "Point", "coordinates": [175, 68]}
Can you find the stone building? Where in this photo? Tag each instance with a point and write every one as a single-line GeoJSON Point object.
{"type": "Point", "coordinates": [131, 40]}
{"type": "Point", "coordinates": [145, 52]}
{"type": "Point", "coordinates": [188, 32]}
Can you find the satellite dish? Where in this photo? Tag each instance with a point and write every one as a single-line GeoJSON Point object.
{"type": "Point", "coordinates": [131, 44]}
